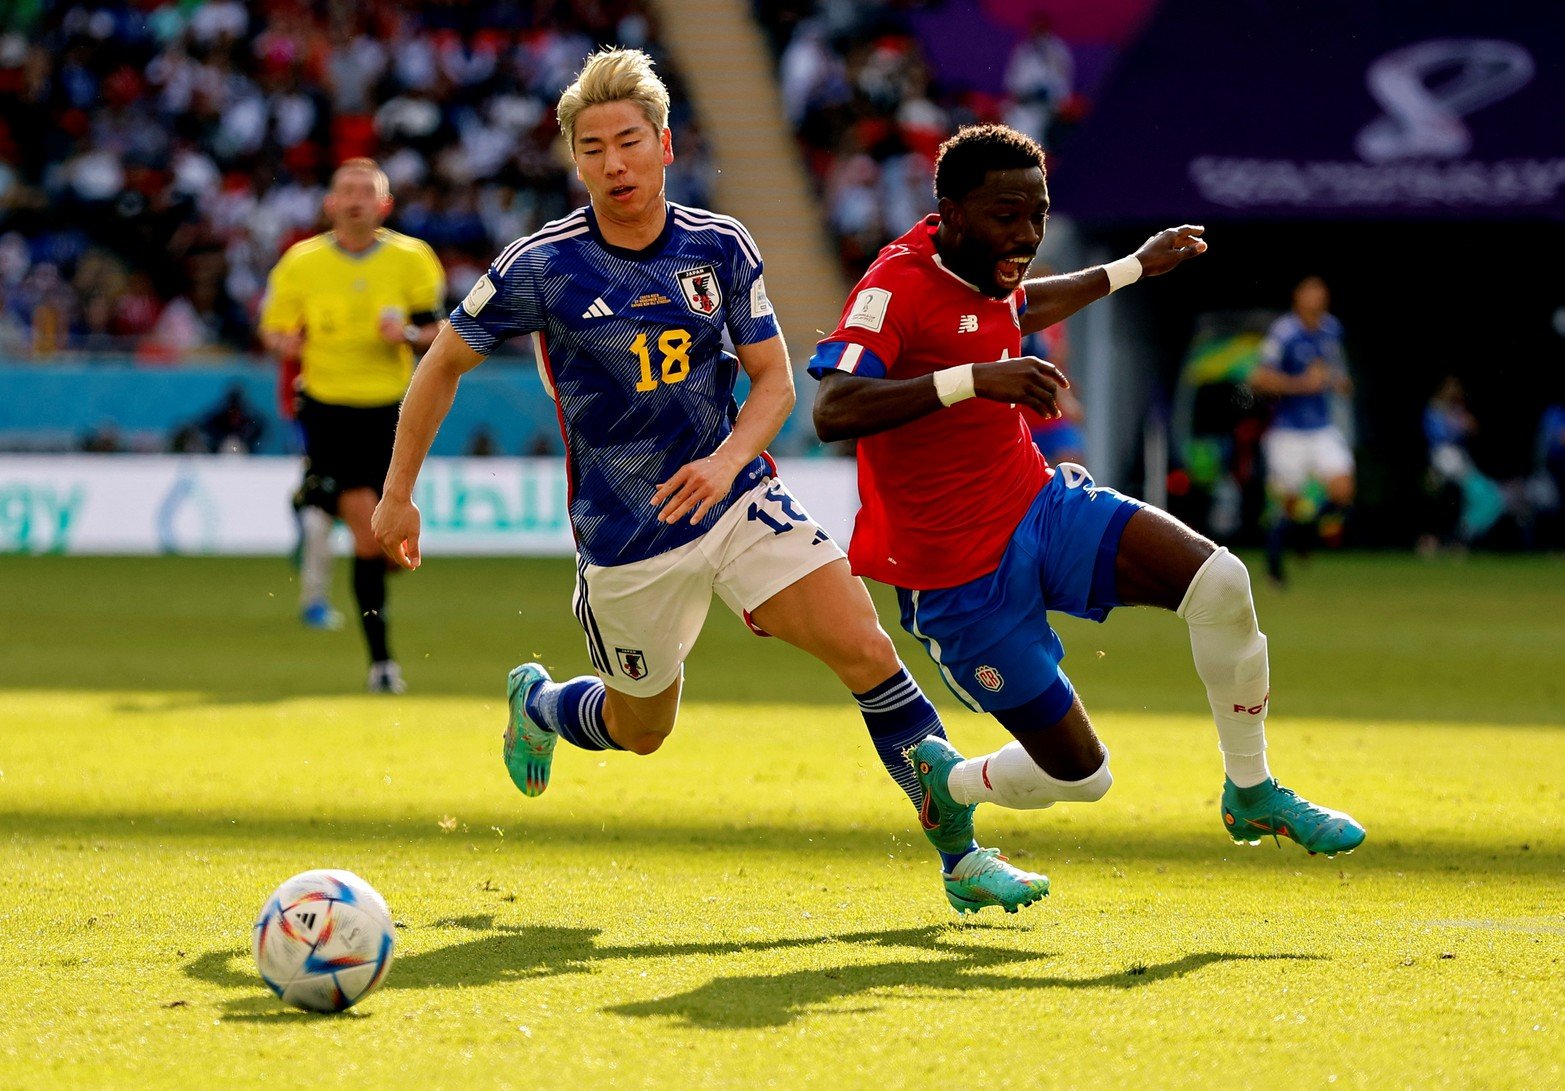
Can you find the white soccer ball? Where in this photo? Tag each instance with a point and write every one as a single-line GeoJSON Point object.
{"type": "Point", "coordinates": [323, 940]}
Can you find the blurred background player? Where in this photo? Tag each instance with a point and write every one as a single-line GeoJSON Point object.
{"type": "Point", "coordinates": [314, 505]}
{"type": "Point", "coordinates": [672, 495]}
{"type": "Point", "coordinates": [1449, 427]}
{"type": "Point", "coordinates": [354, 304]}
{"type": "Point", "coordinates": [1303, 366]}
{"type": "Point", "coordinates": [981, 537]}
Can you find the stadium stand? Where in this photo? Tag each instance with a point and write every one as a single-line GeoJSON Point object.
{"type": "Point", "coordinates": [155, 158]}
{"type": "Point", "coordinates": [872, 89]}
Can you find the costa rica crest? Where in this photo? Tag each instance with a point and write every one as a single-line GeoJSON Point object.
{"type": "Point", "coordinates": [700, 289]}
{"type": "Point", "coordinates": [989, 678]}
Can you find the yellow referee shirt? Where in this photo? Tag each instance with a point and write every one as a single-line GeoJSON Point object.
{"type": "Point", "coordinates": [338, 298]}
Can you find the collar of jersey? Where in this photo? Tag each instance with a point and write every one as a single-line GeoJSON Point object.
{"type": "Point", "coordinates": [960, 280]}
{"type": "Point", "coordinates": [357, 255]}
{"type": "Point", "coordinates": [646, 253]}
{"type": "Point", "coordinates": [930, 225]}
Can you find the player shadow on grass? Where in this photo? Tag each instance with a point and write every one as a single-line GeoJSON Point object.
{"type": "Point", "coordinates": [510, 953]}
{"type": "Point", "coordinates": [772, 1000]}
{"type": "Point", "coordinates": [520, 953]}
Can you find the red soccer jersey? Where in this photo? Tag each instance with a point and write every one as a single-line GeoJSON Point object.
{"type": "Point", "coordinates": [940, 496]}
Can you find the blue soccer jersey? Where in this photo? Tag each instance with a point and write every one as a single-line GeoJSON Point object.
{"type": "Point", "coordinates": [630, 347]}
{"type": "Point", "coordinates": [1290, 348]}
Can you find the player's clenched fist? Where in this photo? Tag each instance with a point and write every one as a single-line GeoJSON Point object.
{"type": "Point", "coordinates": [1026, 380]}
{"type": "Point", "coordinates": [396, 525]}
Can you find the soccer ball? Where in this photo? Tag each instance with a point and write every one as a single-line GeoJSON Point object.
{"type": "Point", "coordinates": [323, 940]}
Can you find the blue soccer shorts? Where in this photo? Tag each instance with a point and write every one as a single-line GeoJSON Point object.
{"type": "Point", "coordinates": [991, 637]}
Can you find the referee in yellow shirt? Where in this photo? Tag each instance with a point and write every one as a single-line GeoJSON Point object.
{"type": "Point", "coordinates": [355, 304]}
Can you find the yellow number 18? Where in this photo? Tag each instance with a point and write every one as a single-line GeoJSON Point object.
{"type": "Point", "coordinates": [675, 347]}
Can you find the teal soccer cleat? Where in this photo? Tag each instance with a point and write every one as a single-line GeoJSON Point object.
{"type": "Point", "coordinates": [1271, 810]}
{"type": "Point", "coordinates": [984, 877]}
{"type": "Point", "coordinates": [529, 747]}
{"type": "Point", "coordinates": [947, 823]}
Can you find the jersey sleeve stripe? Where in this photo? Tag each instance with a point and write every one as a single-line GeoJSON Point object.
{"type": "Point", "coordinates": [746, 246]}
{"type": "Point", "coordinates": [718, 217]}
{"type": "Point", "coordinates": [849, 356]}
{"type": "Point", "coordinates": [752, 255]}
{"type": "Point", "coordinates": [548, 231]}
{"type": "Point", "coordinates": [537, 241]}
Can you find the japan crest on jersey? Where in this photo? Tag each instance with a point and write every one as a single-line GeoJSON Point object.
{"type": "Point", "coordinates": [632, 662]}
{"type": "Point", "coordinates": [701, 290]}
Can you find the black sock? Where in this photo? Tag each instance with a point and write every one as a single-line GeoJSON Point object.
{"type": "Point", "coordinates": [369, 589]}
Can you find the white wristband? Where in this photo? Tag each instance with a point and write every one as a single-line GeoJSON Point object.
{"type": "Point", "coordinates": [1123, 272]}
{"type": "Point", "coordinates": [954, 384]}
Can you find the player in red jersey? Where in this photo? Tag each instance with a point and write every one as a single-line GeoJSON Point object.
{"type": "Point", "coordinates": [980, 536]}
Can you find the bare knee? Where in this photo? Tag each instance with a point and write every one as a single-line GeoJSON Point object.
{"type": "Point", "coordinates": [644, 743]}
{"type": "Point", "coordinates": [865, 658]}
{"type": "Point", "coordinates": [634, 734]}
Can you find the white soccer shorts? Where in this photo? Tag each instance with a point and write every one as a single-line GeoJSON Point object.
{"type": "Point", "coordinates": [1295, 455]}
{"type": "Point", "coordinates": [642, 619]}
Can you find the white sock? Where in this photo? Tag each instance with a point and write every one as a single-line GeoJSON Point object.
{"type": "Point", "coordinates": [315, 555]}
{"type": "Point", "coordinates": [1230, 657]}
{"type": "Point", "coordinates": [1010, 778]}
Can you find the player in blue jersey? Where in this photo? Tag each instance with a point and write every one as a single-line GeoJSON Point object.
{"type": "Point", "coordinates": [672, 495]}
{"type": "Point", "coordinates": [1303, 366]}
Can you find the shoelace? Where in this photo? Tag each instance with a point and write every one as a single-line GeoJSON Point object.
{"type": "Point", "coordinates": [992, 861]}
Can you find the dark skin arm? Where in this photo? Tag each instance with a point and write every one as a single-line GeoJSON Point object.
{"type": "Point", "coordinates": [849, 406]}
{"type": "Point", "coordinates": [1054, 299]}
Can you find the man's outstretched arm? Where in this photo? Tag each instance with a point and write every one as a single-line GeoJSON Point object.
{"type": "Point", "coordinates": [1054, 299]}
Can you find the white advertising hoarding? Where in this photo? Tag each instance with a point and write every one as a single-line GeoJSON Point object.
{"type": "Point", "coordinates": [202, 504]}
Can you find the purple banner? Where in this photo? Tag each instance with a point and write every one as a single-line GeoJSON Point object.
{"type": "Point", "coordinates": [1328, 110]}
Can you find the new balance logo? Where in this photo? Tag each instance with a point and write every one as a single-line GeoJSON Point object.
{"type": "Point", "coordinates": [968, 324]}
{"type": "Point", "coordinates": [599, 309]}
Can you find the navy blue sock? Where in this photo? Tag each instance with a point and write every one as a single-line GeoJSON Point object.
{"type": "Point", "coordinates": [899, 716]}
{"type": "Point", "coordinates": [573, 710]}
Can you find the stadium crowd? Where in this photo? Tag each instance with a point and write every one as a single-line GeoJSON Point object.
{"type": "Point", "coordinates": [870, 111]}
{"type": "Point", "coordinates": [157, 156]}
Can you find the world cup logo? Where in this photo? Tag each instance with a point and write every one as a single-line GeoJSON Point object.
{"type": "Point", "coordinates": [1426, 89]}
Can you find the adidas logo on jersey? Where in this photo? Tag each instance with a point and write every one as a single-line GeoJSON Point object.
{"type": "Point", "coordinates": [599, 309]}
{"type": "Point", "coordinates": [967, 324]}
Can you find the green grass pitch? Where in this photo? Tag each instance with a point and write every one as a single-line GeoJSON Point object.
{"type": "Point", "coordinates": [754, 905]}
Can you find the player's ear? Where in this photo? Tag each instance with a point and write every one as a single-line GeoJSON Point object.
{"type": "Point", "coordinates": [951, 213]}
{"type": "Point", "coordinates": [668, 146]}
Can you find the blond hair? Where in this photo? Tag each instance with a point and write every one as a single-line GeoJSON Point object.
{"type": "Point", "coordinates": [614, 75]}
{"type": "Point", "coordinates": [364, 163]}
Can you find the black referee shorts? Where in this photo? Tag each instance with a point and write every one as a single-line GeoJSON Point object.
{"type": "Point", "coordinates": [348, 444]}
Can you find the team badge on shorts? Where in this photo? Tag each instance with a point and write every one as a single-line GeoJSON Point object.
{"type": "Point", "coordinates": [702, 294]}
{"type": "Point", "coordinates": [989, 678]}
{"type": "Point", "coordinates": [632, 663]}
